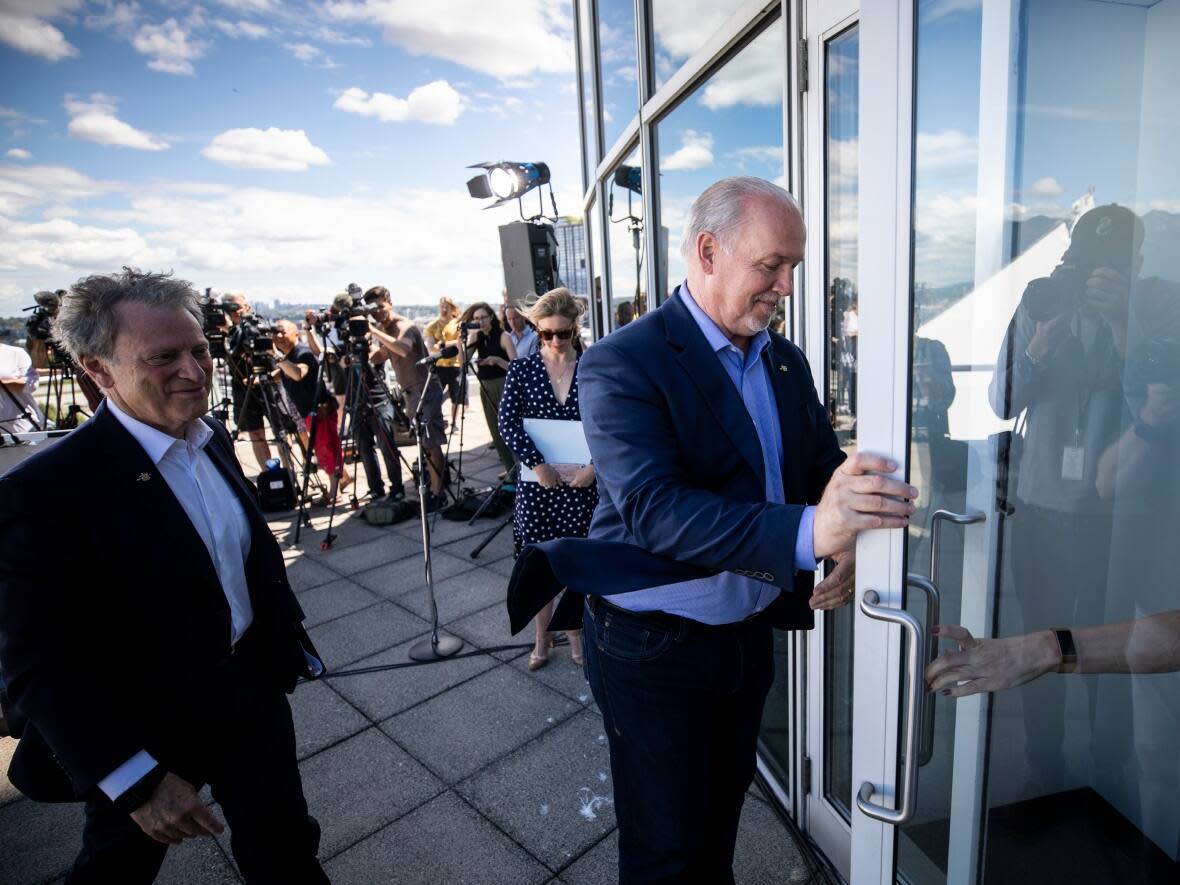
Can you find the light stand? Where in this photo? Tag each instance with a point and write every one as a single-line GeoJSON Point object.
{"type": "Point", "coordinates": [434, 646]}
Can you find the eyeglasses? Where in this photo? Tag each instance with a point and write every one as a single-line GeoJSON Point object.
{"type": "Point", "coordinates": [549, 334]}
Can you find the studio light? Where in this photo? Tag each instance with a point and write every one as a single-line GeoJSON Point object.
{"type": "Point", "coordinates": [506, 181]}
{"type": "Point", "coordinates": [630, 177]}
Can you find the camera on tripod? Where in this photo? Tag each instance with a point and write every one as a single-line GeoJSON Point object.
{"type": "Point", "coordinates": [258, 342]}
{"type": "Point", "coordinates": [215, 325]}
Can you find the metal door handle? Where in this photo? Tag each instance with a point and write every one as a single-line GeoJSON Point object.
{"type": "Point", "coordinates": [936, 521]}
{"type": "Point", "coordinates": [907, 793]}
{"type": "Point", "coordinates": [933, 612]}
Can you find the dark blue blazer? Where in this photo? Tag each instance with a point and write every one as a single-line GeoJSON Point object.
{"type": "Point", "coordinates": [680, 473]}
{"type": "Point", "coordinates": [113, 623]}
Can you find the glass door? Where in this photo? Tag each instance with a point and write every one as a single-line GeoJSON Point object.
{"type": "Point", "coordinates": [830, 197]}
{"type": "Point", "coordinates": [1025, 367]}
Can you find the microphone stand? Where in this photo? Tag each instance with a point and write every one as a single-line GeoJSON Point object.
{"type": "Point", "coordinates": [435, 646]}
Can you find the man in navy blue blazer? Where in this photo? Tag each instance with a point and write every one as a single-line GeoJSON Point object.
{"type": "Point", "coordinates": [721, 487]}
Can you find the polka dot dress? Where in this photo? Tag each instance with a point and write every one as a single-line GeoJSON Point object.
{"type": "Point", "coordinates": [541, 514]}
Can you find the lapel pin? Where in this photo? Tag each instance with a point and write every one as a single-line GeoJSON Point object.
{"type": "Point", "coordinates": [782, 368]}
{"type": "Point", "coordinates": [143, 477]}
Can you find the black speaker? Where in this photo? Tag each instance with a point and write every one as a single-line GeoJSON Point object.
{"type": "Point", "coordinates": [276, 490]}
{"type": "Point", "coordinates": [529, 253]}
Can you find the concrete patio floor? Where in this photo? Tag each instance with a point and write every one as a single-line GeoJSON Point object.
{"type": "Point", "coordinates": [466, 771]}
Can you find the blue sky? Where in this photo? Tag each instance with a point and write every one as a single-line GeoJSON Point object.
{"type": "Point", "coordinates": [282, 149]}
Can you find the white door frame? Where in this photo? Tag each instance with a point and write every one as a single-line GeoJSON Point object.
{"type": "Point", "coordinates": [886, 124]}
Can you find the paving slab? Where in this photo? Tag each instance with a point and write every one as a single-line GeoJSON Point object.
{"type": "Point", "coordinates": [365, 632]}
{"type": "Point", "coordinates": [561, 674]}
{"type": "Point", "coordinates": [598, 866]}
{"type": "Point", "coordinates": [355, 788]}
{"type": "Point", "coordinates": [406, 575]}
{"type": "Point", "coordinates": [333, 600]}
{"type": "Point", "coordinates": [381, 695]}
{"type": "Point", "coordinates": [40, 841]}
{"type": "Point", "coordinates": [459, 732]}
{"type": "Point", "coordinates": [387, 547]}
{"type": "Point", "coordinates": [766, 853]}
{"type": "Point", "coordinates": [554, 796]}
{"type": "Point", "coordinates": [303, 572]}
{"type": "Point", "coordinates": [488, 628]}
{"type": "Point", "coordinates": [458, 596]}
{"type": "Point", "coordinates": [349, 531]}
{"type": "Point", "coordinates": [8, 793]}
{"type": "Point", "coordinates": [443, 841]}
{"type": "Point", "coordinates": [197, 862]}
{"type": "Point", "coordinates": [442, 531]}
{"type": "Point", "coordinates": [322, 718]}
{"type": "Point", "coordinates": [502, 567]}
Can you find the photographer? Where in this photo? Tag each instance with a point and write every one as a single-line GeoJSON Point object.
{"type": "Point", "coordinates": [38, 327]}
{"type": "Point", "coordinates": [494, 350]}
{"type": "Point", "coordinates": [18, 407]}
{"type": "Point", "coordinates": [332, 350]}
{"type": "Point", "coordinates": [299, 372]}
{"type": "Point", "coordinates": [440, 333]}
{"type": "Point", "coordinates": [401, 342]}
{"type": "Point", "coordinates": [249, 409]}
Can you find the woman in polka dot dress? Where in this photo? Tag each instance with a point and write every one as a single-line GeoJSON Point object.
{"type": "Point", "coordinates": [561, 502]}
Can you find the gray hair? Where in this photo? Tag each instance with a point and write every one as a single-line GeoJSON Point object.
{"type": "Point", "coordinates": [721, 208]}
{"type": "Point", "coordinates": [86, 324]}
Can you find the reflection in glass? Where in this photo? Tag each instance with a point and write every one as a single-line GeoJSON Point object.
{"type": "Point", "coordinates": [627, 259]}
{"type": "Point", "coordinates": [618, 65]}
{"type": "Point", "coordinates": [841, 128]}
{"type": "Point", "coordinates": [590, 156]}
{"type": "Point", "coordinates": [597, 289]}
{"type": "Point", "coordinates": [731, 124]}
{"type": "Point", "coordinates": [682, 27]}
{"type": "Point", "coordinates": [1045, 386]}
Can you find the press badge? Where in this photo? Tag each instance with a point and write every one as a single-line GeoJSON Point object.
{"type": "Point", "coordinates": [1073, 463]}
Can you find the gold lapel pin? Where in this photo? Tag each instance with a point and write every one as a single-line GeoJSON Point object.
{"type": "Point", "coordinates": [143, 477]}
{"type": "Point", "coordinates": [782, 368]}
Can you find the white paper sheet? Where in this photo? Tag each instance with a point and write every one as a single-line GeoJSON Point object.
{"type": "Point", "coordinates": [561, 442]}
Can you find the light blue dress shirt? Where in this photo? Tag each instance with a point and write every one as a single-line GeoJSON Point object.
{"type": "Point", "coordinates": [728, 597]}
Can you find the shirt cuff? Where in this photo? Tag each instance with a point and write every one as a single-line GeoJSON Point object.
{"type": "Point", "coordinates": [805, 560]}
{"type": "Point", "coordinates": [127, 775]}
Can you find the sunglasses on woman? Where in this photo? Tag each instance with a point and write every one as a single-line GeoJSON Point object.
{"type": "Point", "coordinates": [549, 334]}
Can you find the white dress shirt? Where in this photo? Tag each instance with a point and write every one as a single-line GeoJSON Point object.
{"type": "Point", "coordinates": [218, 518]}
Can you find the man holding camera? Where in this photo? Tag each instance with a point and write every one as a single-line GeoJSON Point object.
{"type": "Point", "coordinates": [299, 371]}
{"type": "Point", "coordinates": [400, 341]}
{"type": "Point", "coordinates": [156, 656]}
{"type": "Point", "coordinates": [249, 408]}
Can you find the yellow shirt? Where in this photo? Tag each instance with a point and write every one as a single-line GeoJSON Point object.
{"type": "Point", "coordinates": [444, 332]}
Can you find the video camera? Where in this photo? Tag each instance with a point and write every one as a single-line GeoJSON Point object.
{"type": "Point", "coordinates": [215, 324]}
{"type": "Point", "coordinates": [256, 338]}
{"type": "Point", "coordinates": [351, 323]}
{"type": "Point", "coordinates": [39, 324]}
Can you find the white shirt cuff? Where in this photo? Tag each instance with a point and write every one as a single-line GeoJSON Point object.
{"type": "Point", "coordinates": [127, 775]}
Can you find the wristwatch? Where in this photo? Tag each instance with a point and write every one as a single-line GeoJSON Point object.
{"type": "Point", "coordinates": [1069, 652]}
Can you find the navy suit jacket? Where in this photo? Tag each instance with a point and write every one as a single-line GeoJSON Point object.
{"type": "Point", "coordinates": [113, 623]}
{"type": "Point", "coordinates": [681, 482]}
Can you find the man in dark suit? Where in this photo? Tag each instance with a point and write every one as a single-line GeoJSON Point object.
{"type": "Point", "coordinates": [721, 487]}
{"type": "Point", "coordinates": [147, 629]}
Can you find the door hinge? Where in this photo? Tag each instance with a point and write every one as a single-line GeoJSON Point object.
{"type": "Point", "coordinates": [806, 775]}
{"type": "Point", "coordinates": [804, 65]}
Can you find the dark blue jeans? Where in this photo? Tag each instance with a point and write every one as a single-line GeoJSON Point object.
{"type": "Point", "coordinates": [681, 703]}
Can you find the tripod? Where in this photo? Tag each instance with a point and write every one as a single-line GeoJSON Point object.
{"type": "Point", "coordinates": [434, 646]}
{"type": "Point", "coordinates": [500, 491]}
{"type": "Point", "coordinates": [61, 372]}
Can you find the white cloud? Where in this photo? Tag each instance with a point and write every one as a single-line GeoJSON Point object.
{"type": "Point", "coordinates": [303, 51]}
{"type": "Point", "coordinates": [754, 76]}
{"type": "Point", "coordinates": [1047, 187]}
{"type": "Point", "coordinates": [286, 150]}
{"type": "Point", "coordinates": [770, 154]}
{"type": "Point", "coordinates": [695, 152]}
{"type": "Point", "coordinates": [249, 5]}
{"type": "Point", "coordinates": [118, 17]}
{"type": "Point", "coordinates": [24, 25]}
{"type": "Point", "coordinates": [25, 187]}
{"type": "Point", "coordinates": [517, 38]}
{"type": "Point", "coordinates": [168, 46]}
{"type": "Point", "coordinates": [95, 120]}
{"type": "Point", "coordinates": [940, 9]}
{"type": "Point", "coordinates": [949, 150]}
{"type": "Point", "coordinates": [19, 154]}
{"type": "Point", "coordinates": [241, 29]}
{"type": "Point", "coordinates": [436, 102]}
{"type": "Point", "coordinates": [685, 25]}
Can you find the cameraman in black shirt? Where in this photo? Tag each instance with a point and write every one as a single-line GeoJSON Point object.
{"type": "Point", "coordinates": [249, 408]}
{"type": "Point", "coordinates": [299, 371]}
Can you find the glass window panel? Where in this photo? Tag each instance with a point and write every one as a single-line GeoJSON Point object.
{"type": "Point", "coordinates": [627, 259]}
{"type": "Point", "coordinates": [841, 128]}
{"type": "Point", "coordinates": [590, 156]}
{"type": "Point", "coordinates": [732, 124]}
{"type": "Point", "coordinates": [682, 27]}
{"type": "Point", "coordinates": [619, 67]}
{"type": "Point", "coordinates": [597, 285]}
{"type": "Point", "coordinates": [1045, 393]}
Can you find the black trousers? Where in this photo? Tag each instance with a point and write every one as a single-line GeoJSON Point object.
{"type": "Point", "coordinates": [254, 778]}
{"type": "Point", "coordinates": [682, 703]}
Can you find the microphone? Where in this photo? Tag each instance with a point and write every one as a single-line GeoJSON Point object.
{"type": "Point", "coordinates": [447, 353]}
